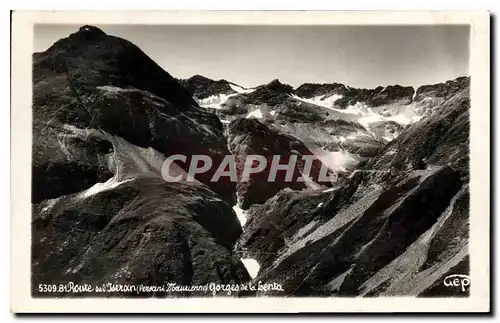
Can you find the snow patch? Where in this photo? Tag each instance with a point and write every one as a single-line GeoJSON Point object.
{"type": "Point", "coordinates": [309, 182]}
{"type": "Point", "coordinates": [341, 139]}
{"type": "Point", "coordinates": [128, 161]}
{"type": "Point", "coordinates": [338, 221]}
{"type": "Point", "coordinates": [214, 101]}
{"type": "Point", "coordinates": [368, 116]}
{"type": "Point", "coordinates": [252, 266]}
{"type": "Point", "coordinates": [336, 160]}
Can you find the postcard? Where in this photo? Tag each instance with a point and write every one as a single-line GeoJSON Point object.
{"type": "Point", "coordinates": [242, 162]}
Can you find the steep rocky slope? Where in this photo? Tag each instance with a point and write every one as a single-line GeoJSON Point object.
{"type": "Point", "coordinates": [105, 117]}
{"type": "Point", "coordinates": [202, 87]}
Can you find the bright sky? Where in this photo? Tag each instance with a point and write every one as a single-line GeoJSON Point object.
{"type": "Point", "coordinates": [358, 56]}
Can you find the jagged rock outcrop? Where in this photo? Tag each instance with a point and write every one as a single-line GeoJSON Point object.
{"type": "Point", "coordinates": [105, 117]}
{"type": "Point", "coordinates": [398, 226]}
{"type": "Point", "coordinates": [143, 232]}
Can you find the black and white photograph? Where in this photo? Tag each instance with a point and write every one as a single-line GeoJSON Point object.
{"type": "Point", "coordinates": [252, 161]}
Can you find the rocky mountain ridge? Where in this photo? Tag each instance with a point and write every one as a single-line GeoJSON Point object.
{"type": "Point", "coordinates": [202, 87]}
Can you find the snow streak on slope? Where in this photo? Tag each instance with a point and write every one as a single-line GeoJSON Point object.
{"type": "Point", "coordinates": [241, 214]}
{"type": "Point", "coordinates": [215, 101]}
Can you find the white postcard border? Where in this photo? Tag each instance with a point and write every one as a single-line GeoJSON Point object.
{"type": "Point", "coordinates": [21, 92]}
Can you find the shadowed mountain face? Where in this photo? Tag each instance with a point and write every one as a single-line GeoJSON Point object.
{"type": "Point", "coordinates": [394, 219]}
{"type": "Point", "coordinates": [251, 137]}
{"type": "Point", "coordinates": [201, 87]}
